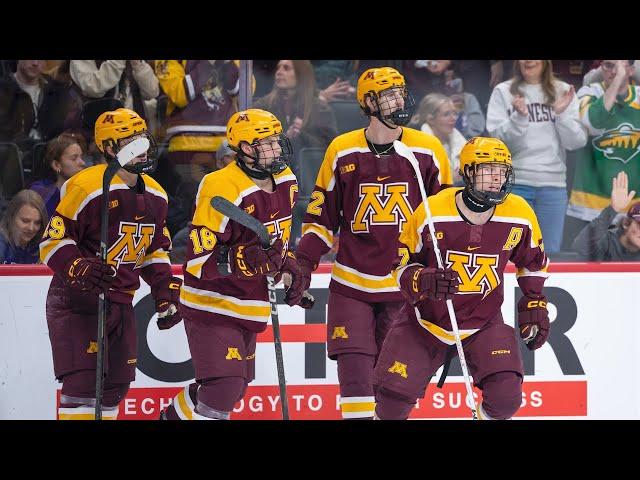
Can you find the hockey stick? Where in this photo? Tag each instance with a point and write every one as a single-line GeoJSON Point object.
{"type": "Point", "coordinates": [402, 150]}
{"type": "Point", "coordinates": [124, 156]}
{"type": "Point", "coordinates": [238, 215]}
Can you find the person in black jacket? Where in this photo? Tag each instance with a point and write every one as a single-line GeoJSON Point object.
{"type": "Point", "coordinates": [33, 106]}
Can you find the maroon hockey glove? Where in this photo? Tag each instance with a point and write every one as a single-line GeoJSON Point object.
{"type": "Point", "coordinates": [297, 293]}
{"type": "Point", "coordinates": [533, 320]}
{"type": "Point", "coordinates": [247, 260]}
{"type": "Point", "coordinates": [419, 283]}
{"type": "Point", "coordinates": [167, 296]}
{"type": "Point", "coordinates": [306, 266]}
{"type": "Point", "coordinates": [89, 274]}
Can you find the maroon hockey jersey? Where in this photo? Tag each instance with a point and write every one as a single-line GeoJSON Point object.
{"type": "Point", "coordinates": [200, 102]}
{"type": "Point", "coordinates": [138, 239]}
{"type": "Point", "coordinates": [205, 291]}
{"type": "Point", "coordinates": [479, 254]}
{"type": "Point", "coordinates": [369, 199]}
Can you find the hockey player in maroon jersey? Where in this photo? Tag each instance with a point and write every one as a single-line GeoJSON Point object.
{"type": "Point", "coordinates": [368, 192]}
{"type": "Point", "coordinates": [224, 314]}
{"type": "Point", "coordinates": [138, 245]}
{"type": "Point", "coordinates": [479, 228]}
{"type": "Point", "coordinates": [200, 97]}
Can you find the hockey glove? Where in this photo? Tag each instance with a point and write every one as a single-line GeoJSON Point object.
{"type": "Point", "coordinates": [418, 283]}
{"type": "Point", "coordinates": [250, 259]}
{"type": "Point", "coordinates": [167, 296]}
{"type": "Point", "coordinates": [306, 266]}
{"type": "Point", "coordinates": [533, 320]}
{"type": "Point", "coordinates": [296, 293]}
{"type": "Point", "coordinates": [89, 274]}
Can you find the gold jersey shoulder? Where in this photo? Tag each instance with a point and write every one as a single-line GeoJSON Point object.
{"type": "Point", "coordinates": [154, 187]}
{"type": "Point", "coordinates": [443, 203]}
{"type": "Point", "coordinates": [232, 184]}
{"type": "Point", "coordinates": [346, 143]}
{"type": "Point", "coordinates": [517, 207]}
{"type": "Point", "coordinates": [81, 188]}
{"type": "Point", "coordinates": [514, 206]}
{"type": "Point", "coordinates": [416, 138]}
{"type": "Point", "coordinates": [90, 179]}
{"type": "Point", "coordinates": [419, 141]}
{"type": "Point", "coordinates": [227, 182]}
{"type": "Point", "coordinates": [285, 176]}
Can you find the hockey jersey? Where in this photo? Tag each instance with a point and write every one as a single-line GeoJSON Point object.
{"type": "Point", "coordinates": [205, 290]}
{"type": "Point", "coordinates": [613, 147]}
{"type": "Point", "coordinates": [200, 102]}
{"type": "Point", "coordinates": [479, 254]}
{"type": "Point", "coordinates": [370, 199]}
{"type": "Point", "coordinates": [138, 240]}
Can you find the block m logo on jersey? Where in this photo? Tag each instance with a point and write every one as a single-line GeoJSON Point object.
{"type": "Point", "coordinates": [478, 272]}
{"type": "Point", "coordinates": [380, 204]}
{"type": "Point", "coordinates": [132, 244]}
{"type": "Point", "coordinates": [281, 228]}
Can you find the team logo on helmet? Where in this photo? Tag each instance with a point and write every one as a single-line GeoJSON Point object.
{"type": "Point", "coordinates": [112, 127]}
{"type": "Point", "coordinates": [375, 80]}
{"type": "Point", "coordinates": [250, 126]}
{"type": "Point", "coordinates": [485, 151]}
{"type": "Point", "coordinates": [373, 84]}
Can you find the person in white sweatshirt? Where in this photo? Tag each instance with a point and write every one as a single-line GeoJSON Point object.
{"type": "Point", "coordinates": [437, 115]}
{"type": "Point", "coordinates": [536, 115]}
{"type": "Point", "coordinates": [133, 82]}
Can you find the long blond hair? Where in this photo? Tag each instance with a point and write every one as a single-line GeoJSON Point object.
{"type": "Point", "coordinates": [7, 224]}
{"type": "Point", "coordinates": [429, 106]}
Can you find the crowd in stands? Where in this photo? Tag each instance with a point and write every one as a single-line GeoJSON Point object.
{"type": "Point", "coordinates": [572, 126]}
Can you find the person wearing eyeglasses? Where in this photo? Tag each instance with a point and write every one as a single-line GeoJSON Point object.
{"type": "Point", "coordinates": [595, 75]}
{"type": "Point", "coordinates": [610, 110]}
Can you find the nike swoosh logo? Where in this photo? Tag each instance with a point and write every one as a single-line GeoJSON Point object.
{"type": "Point", "coordinates": [383, 178]}
{"type": "Point", "coordinates": [272, 216]}
{"type": "Point", "coordinates": [139, 218]}
{"type": "Point", "coordinates": [470, 249]}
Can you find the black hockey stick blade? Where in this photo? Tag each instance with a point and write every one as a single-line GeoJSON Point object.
{"type": "Point", "coordinates": [238, 215]}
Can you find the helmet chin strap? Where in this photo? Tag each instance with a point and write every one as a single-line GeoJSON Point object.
{"type": "Point", "coordinates": [379, 117]}
{"type": "Point", "coordinates": [472, 203]}
{"type": "Point", "coordinates": [400, 117]}
{"type": "Point", "coordinates": [258, 172]}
